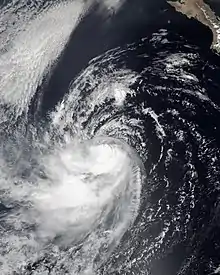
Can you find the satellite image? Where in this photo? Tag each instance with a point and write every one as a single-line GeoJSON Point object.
{"type": "Point", "coordinates": [109, 137]}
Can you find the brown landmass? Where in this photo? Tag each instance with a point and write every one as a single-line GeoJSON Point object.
{"type": "Point", "coordinates": [203, 13]}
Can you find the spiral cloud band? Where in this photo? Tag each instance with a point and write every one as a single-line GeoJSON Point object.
{"type": "Point", "coordinates": [70, 189]}
{"type": "Point", "coordinates": [109, 151]}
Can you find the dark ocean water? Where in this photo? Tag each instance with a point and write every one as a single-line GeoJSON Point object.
{"type": "Point", "coordinates": [140, 19]}
{"type": "Point", "coordinates": [189, 207]}
{"type": "Point", "coordinates": [136, 20]}
{"type": "Point", "coordinates": [215, 5]}
{"type": "Point", "coordinates": [198, 251]}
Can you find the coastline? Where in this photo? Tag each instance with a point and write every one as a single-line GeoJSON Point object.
{"type": "Point", "coordinates": [203, 13]}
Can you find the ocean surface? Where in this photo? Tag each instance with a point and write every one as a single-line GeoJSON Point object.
{"type": "Point", "coordinates": [110, 144]}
